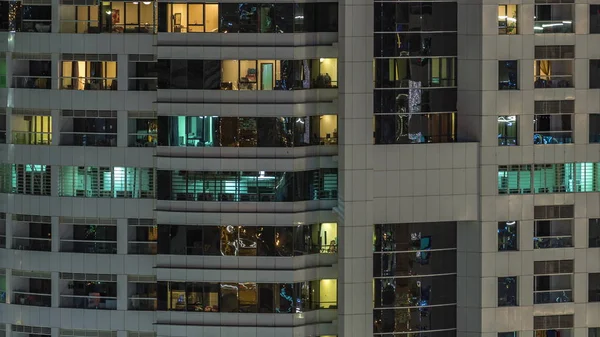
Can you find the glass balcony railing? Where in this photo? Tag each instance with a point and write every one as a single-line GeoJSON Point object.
{"type": "Point", "coordinates": [553, 81]}
{"type": "Point", "coordinates": [552, 137]}
{"type": "Point", "coordinates": [544, 242]}
{"type": "Point", "coordinates": [32, 138]}
{"type": "Point", "coordinates": [36, 26]}
{"type": "Point", "coordinates": [141, 303]}
{"type": "Point", "coordinates": [32, 82]}
{"type": "Point", "coordinates": [35, 244]}
{"type": "Point", "coordinates": [90, 247]}
{"type": "Point", "coordinates": [88, 83]}
{"type": "Point", "coordinates": [35, 299]}
{"type": "Point", "coordinates": [88, 302]}
{"type": "Point", "coordinates": [142, 84]}
{"type": "Point", "coordinates": [88, 139]}
{"type": "Point", "coordinates": [553, 296]}
{"type": "Point", "coordinates": [553, 27]}
{"type": "Point", "coordinates": [142, 248]}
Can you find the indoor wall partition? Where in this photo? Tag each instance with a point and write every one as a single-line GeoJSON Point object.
{"type": "Point", "coordinates": [247, 17]}
{"type": "Point", "coordinates": [247, 74]}
{"type": "Point", "coordinates": [262, 186]}
{"type": "Point", "coordinates": [248, 297]}
{"type": "Point", "coordinates": [230, 240]}
{"type": "Point", "coordinates": [206, 131]}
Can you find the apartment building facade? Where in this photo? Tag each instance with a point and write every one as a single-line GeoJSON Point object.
{"type": "Point", "coordinates": [300, 168]}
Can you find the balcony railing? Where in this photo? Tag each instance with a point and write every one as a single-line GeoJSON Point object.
{"type": "Point", "coordinates": [32, 138]}
{"type": "Point", "coordinates": [88, 83]}
{"type": "Point", "coordinates": [90, 247]}
{"type": "Point", "coordinates": [142, 248]}
{"type": "Point", "coordinates": [35, 299]}
{"type": "Point", "coordinates": [553, 296]}
{"type": "Point", "coordinates": [142, 303]}
{"type": "Point", "coordinates": [35, 244]}
{"type": "Point", "coordinates": [544, 242]}
{"type": "Point", "coordinates": [32, 82]}
{"type": "Point", "coordinates": [88, 302]}
{"type": "Point", "coordinates": [93, 27]}
{"type": "Point", "coordinates": [37, 26]}
{"type": "Point", "coordinates": [88, 139]}
{"type": "Point", "coordinates": [553, 81]}
{"type": "Point", "coordinates": [142, 84]}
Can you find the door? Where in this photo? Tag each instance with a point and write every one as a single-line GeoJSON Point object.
{"type": "Point", "coordinates": [266, 76]}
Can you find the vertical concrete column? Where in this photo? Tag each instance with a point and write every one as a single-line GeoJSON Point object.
{"type": "Point", "coordinates": [9, 232]}
{"type": "Point", "coordinates": [122, 236]}
{"type": "Point", "coordinates": [55, 286]}
{"type": "Point", "coordinates": [56, 69]}
{"type": "Point", "coordinates": [8, 294]}
{"type": "Point", "coordinates": [122, 75]}
{"type": "Point", "coordinates": [122, 127]}
{"type": "Point", "coordinates": [56, 116]}
{"type": "Point", "coordinates": [122, 292]}
{"type": "Point", "coordinates": [55, 234]}
{"type": "Point", "coordinates": [55, 16]}
{"type": "Point", "coordinates": [355, 204]}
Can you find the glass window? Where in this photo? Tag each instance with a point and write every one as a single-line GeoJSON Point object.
{"type": "Point", "coordinates": [553, 288]}
{"type": "Point", "coordinates": [594, 332]}
{"type": "Point", "coordinates": [514, 179]}
{"type": "Point", "coordinates": [89, 75]}
{"type": "Point", "coordinates": [507, 19]}
{"type": "Point", "coordinates": [508, 75]}
{"type": "Point", "coordinates": [507, 236]}
{"type": "Point", "coordinates": [594, 128]}
{"type": "Point", "coordinates": [594, 233]}
{"type": "Point", "coordinates": [508, 130]}
{"type": "Point", "coordinates": [508, 334]}
{"type": "Point", "coordinates": [594, 287]}
{"type": "Point", "coordinates": [553, 74]}
{"type": "Point", "coordinates": [553, 178]}
{"type": "Point", "coordinates": [553, 234]}
{"type": "Point", "coordinates": [595, 20]}
{"type": "Point", "coordinates": [594, 74]}
{"type": "Point", "coordinates": [507, 292]}
{"type": "Point", "coordinates": [553, 18]}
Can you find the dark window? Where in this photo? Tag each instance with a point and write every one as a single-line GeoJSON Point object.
{"type": "Point", "coordinates": [508, 236]}
{"type": "Point", "coordinates": [553, 18]}
{"type": "Point", "coordinates": [594, 233]}
{"type": "Point", "coordinates": [553, 122]}
{"type": "Point", "coordinates": [415, 16]}
{"type": "Point", "coordinates": [594, 74]}
{"type": "Point", "coordinates": [507, 292]}
{"type": "Point", "coordinates": [418, 128]}
{"type": "Point", "coordinates": [594, 287]}
{"type": "Point", "coordinates": [594, 332]}
{"type": "Point", "coordinates": [415, 44]}
{"type": "Point", "coordinates": [408, 72]}
{"type": "Point", "coordinates": [418, 236]}
{"type": "Point", "coordinates": [594, 19]}
{"type": "Point", "coordinates": [508, 130]}
{"type": "Point", "coordinates": [508, 75]}
{"type": "Point", "coordinates": [594, 128]}
{"type": "Point", "coordinates": [508, 334]}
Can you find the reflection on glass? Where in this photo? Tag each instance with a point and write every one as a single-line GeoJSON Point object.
{"type": "Point", "coordinates": [507, 236]}
{"type": "Point", "coordinates": [247, 297]}
{"type": "Point", "coordinates": [508, 132]}
{"type": "Point", "coordinates": [507, 20]}
{"type": "Point", "coordinates": [232, 240]}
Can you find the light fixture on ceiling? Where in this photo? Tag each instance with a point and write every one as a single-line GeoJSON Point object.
{"type": "Point", "coordinates": [146, 2]}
